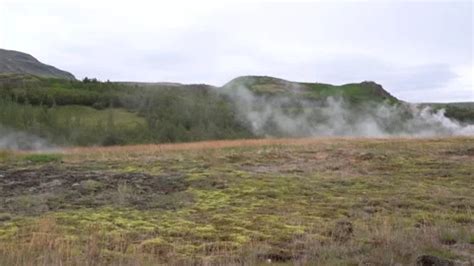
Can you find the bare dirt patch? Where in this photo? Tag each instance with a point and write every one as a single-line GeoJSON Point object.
{"type": "Point", "coordinates": [48, 188]}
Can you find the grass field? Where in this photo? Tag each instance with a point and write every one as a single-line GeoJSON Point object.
{"type": "Point", "coordinates": [334, 201]}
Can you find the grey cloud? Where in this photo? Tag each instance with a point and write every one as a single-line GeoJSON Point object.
{"type": "Point", "coordinates": [410, 48]}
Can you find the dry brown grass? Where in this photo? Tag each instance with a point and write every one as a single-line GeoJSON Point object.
{"type": "Point", "coordinates": [186, 146]}
{"type": "Point", "coordinates": [218, 144]}
{"type": "Point", "coordinates": [387, 242]}
{"type": "Point", "coordinates": [203, 145]}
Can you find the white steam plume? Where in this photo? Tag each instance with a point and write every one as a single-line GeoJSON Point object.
{"type": "Point", "coordinates": [296, 116]}
{"type": "Point", "coordinates": [16, 140]}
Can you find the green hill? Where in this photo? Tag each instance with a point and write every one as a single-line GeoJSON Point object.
{"type": "Point", "coordinates": [90, 112]}
{"type": "Point", "coordinates": [355, 92]}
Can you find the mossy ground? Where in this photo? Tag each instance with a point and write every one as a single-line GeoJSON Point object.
{"type": "Point", "coordinates": [246, 203]}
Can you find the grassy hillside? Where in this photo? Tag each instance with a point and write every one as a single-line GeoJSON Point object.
{"type": "Point", "coordinates": [306, 201]}
{"type": "Point", "coordinates": [90, 112]}
{"type": "Point", "coordinates": [355, 92]}
{"type": "Point", "coordinates": [74, 124]}
{"type": "Point", "coordinates": [70, 112]}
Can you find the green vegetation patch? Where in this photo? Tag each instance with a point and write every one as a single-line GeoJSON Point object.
{"type": "Point", "coordinates": [42, 157]}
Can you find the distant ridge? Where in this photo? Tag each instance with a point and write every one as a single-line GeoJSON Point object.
{"type": "Point", "coordinates": [15, 62]}
{"type": "Point", "coordinates": [363, 91]}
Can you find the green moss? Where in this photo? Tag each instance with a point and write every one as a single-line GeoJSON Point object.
{"type": "Point", "coordinates": [8, 230]}
{"type": "Point", "coordinates": [91, 185]}
{"type": "Point", "coordinates": [156, 245]}
{"type": "Point", "coordinates": [5, 217]}
{"type": "Point", "coordinates": [462, 218]}
{"type": "Point", "coordinates": [442, 252]}
{"type": "Point", "coordinates": [6, 155]}
{"type": "Point", "coordinates": [208, 200]}
{"type": "Point", "coordinates": [207, 231]}
{"type": "Point", "coordinates": [42, 157]}
{"type": "Point", "coordinates": [470, 238]}
{"type": "Point", "coordinates": [131, 169]}
{"type": "Point", "coordinates": [198, 176]}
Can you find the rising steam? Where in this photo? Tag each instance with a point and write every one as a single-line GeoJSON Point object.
{"type": "Point", "coordinates": [16, 140]}
{"type": "Point", "coordinates": [295, 116]}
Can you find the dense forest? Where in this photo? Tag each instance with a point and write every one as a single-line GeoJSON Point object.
{"type": "Point", "coordinates": [90, 112]}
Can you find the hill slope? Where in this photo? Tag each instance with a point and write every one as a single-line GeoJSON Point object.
{"type": "Point", "coordinates": [246, 107]}
{"type": "Point", "coordinates": [354, 92]}
{"type": "Point", "coordinates": [22, 63]}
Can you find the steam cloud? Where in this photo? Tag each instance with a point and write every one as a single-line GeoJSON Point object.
{"type": "Point", "coordinates": [16, 140]}
{"type": "Point", "coordinates": [295, 116]}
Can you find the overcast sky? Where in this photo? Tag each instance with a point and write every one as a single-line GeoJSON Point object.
{"type": "Point", "coordinates": [419, 51]}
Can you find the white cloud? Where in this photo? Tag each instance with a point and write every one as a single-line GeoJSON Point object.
{"type": "Point", "coordinates": [458, 89]}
